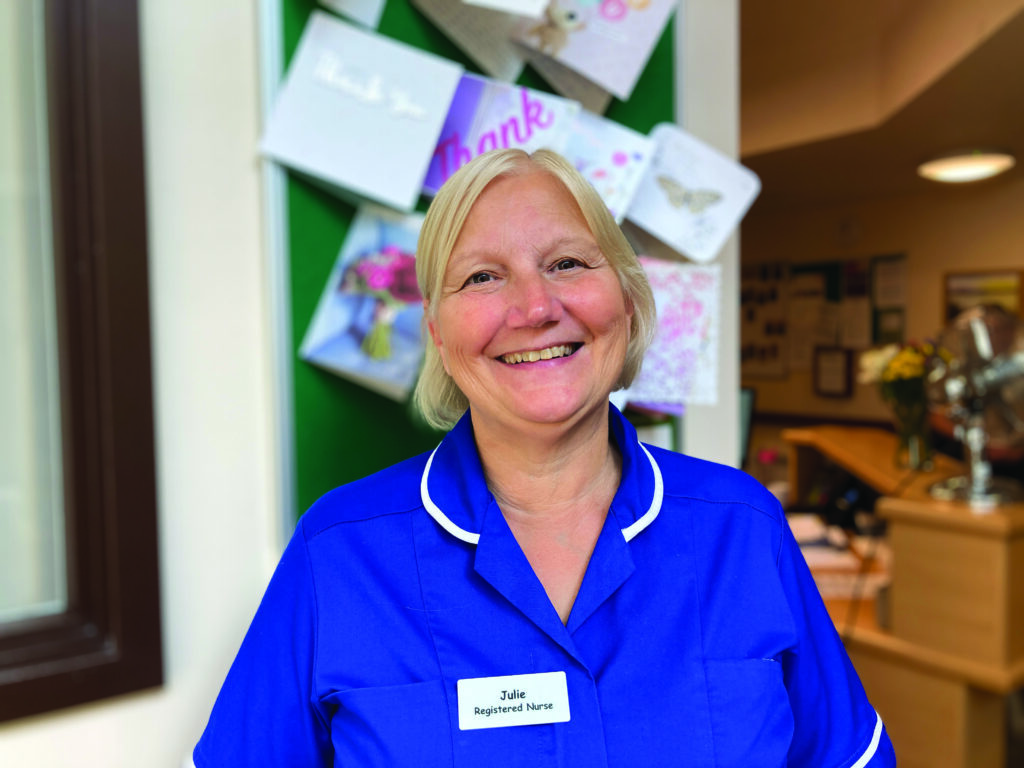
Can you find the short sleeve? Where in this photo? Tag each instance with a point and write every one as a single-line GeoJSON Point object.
{"type": "Point", "coordinates": [266, 713]}
{"type": "Point", "coordinates": [834, 723]}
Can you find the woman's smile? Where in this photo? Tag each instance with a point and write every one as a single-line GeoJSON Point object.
{"type": "Point", "coordinates": [536, 355]}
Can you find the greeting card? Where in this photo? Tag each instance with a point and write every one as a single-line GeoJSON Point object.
{"type": "Point", "coordinates": [484, 34]}
{"type": "Point", "coordinates": [367, 323]}
{"type": "Point", "coordinates": [607, 41]}
{"type": "Point", "coordinates": [692, 196]}
{"type": "Point", "coordinates": [360, 113]}
{"type": "Point", "coordinates": [486, 114]}
{"type": "Point", "coordinates": [365, 12]}
{"type": "Point", "coordinates": [612, 157]}
{"type": "Point", "coordinates": [681, 365]}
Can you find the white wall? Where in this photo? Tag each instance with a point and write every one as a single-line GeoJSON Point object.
{"type": "Point", "coordinates": [218, 525]}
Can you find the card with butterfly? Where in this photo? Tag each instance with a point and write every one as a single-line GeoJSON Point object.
{"type": "Point", "coordinates": [692, 196]}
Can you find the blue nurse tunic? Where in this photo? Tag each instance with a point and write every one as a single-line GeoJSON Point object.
{"type": "Point", "coordinates": [697, 638]}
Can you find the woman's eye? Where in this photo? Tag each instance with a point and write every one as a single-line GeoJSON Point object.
{"type": "Point", "coordinates": [478, 278]}
{"type": "Point", "coordinates": [564, 264]}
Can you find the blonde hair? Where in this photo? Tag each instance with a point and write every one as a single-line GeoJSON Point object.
{"type": "Point", "coordinates": [437, 396]}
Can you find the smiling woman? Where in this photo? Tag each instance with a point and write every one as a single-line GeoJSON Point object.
{"type": "Point", "coordinates": [542, 586]}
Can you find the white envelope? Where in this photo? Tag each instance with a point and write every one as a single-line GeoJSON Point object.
{"type": "Point", "coordinates": [692, 196]}
{"type": "Point", "coordinates": [360, 113]}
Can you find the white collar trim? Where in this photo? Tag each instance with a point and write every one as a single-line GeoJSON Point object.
{"type": "Point", "coordinates": [656, 498]}
{"type": "Point", "coordinates": [435, 511]}
{"type": "Point", "coordinates": [474, 538]}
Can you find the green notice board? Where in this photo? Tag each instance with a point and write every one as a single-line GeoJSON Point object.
{"type": "Point", "coordinates": [343, 431]}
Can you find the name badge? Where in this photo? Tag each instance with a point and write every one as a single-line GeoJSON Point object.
{"type": "Point", "coordinates": [499, 702]}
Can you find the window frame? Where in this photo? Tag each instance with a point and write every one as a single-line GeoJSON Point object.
{"type": "Point", "coordinates": [108, 640]}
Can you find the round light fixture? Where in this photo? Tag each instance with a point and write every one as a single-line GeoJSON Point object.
{"type": "Point", "coordinates": [971, 165]}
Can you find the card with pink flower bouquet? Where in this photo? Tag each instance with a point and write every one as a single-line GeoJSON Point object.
{"type": "Point", "coordinates": [366, 326]}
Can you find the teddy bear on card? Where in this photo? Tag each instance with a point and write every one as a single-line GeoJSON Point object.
{"type": "Point", "coordinates": [553, 33]}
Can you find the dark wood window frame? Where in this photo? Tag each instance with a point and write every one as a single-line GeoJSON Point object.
{"type": "Point", "coordinates": [108, 641]}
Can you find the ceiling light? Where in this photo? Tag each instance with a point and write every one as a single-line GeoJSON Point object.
{"type": "Point", "coordinates": [971, 165]}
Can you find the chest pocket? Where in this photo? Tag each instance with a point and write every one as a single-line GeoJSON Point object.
{"type": "Point", "coordinates": [394, 726]}
{"type": "Point", "coordinates": [751, 720]}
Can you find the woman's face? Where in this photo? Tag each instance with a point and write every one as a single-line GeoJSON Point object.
{"type": "Point", "coordinates": [531, 321]}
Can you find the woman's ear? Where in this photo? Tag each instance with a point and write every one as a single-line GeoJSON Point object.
{"type": "Point", "coordinates": [431, 325]}
{"type": "Point", "coordinates": [435, 334]}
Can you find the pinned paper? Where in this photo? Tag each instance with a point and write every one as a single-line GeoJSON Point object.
{"type": "Point", "coordinates": [692, 196]}
{"type": "Point", "coordinates": [486, 115]}
{"type": "Point", "coordinates": [360, 113]}
{"type": "Point", "coordinates": [367, 323]}
{"type": "Point", "coordinates": [611, 157]}
{"type": "Point", "coordinates": [681, 365]}
{"type": "Point", "coordinates": [607, 41]}
{"type": "Point", "coordinates": [484, 35]}
{"type": "Point", "coordinates": [365, 12]}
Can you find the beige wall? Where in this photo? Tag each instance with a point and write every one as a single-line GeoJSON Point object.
{"type": "Point", "coordinates": [821, 69]}
{"type": "Point", "coordinates": [975, 227]}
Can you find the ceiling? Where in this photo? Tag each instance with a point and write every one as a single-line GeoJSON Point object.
{"type": "Point", "coordinates": [978, 100]}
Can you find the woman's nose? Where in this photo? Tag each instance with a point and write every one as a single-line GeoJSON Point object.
{"type": "Point", "coordinates": [534, 303]}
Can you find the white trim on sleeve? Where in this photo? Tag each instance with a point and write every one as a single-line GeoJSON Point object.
{"type": "Point", "coordinates": [873, 746]}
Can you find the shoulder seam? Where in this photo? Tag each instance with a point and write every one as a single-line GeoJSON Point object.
{"type": "Point", "coordinates": [363, 519]}
{"type": "Point", "coordinates": [732, 502]}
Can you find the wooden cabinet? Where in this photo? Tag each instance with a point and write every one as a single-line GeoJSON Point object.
{"type": "Point", "coordinates": [955, 648]}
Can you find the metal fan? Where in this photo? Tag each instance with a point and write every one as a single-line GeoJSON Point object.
{"type": "Point", "coordinates": [982, 385]}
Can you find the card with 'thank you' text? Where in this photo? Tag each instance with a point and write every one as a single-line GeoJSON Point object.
{"type": "Point", "coordinates": [486, 114]}
{"type": "Point", "coordinates": [360, 113]}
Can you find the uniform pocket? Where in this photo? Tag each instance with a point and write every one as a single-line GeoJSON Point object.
{"type": "Point", "coordinates": [394, 726]}
{"type": "Point", "coordinates": [751, 720]}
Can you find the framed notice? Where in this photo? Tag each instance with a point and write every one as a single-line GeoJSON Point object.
{"type": "Point", "coordinates": [833, 375]}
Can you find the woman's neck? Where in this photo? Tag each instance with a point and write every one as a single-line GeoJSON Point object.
{"type": "Point", "coordinates": [548, 471]}
{"type": "Point", "coordinates": [554, 495]}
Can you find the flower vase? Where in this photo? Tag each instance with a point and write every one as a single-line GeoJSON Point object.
{"type": "Point", "coordinates": [914, 447]}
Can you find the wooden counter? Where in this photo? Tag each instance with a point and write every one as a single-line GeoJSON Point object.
{"type": "Point", "coordinates": [956, 646]}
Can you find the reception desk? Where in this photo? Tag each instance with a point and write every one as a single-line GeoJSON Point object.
{"type": "Point", "coordinates": [954, 644]}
